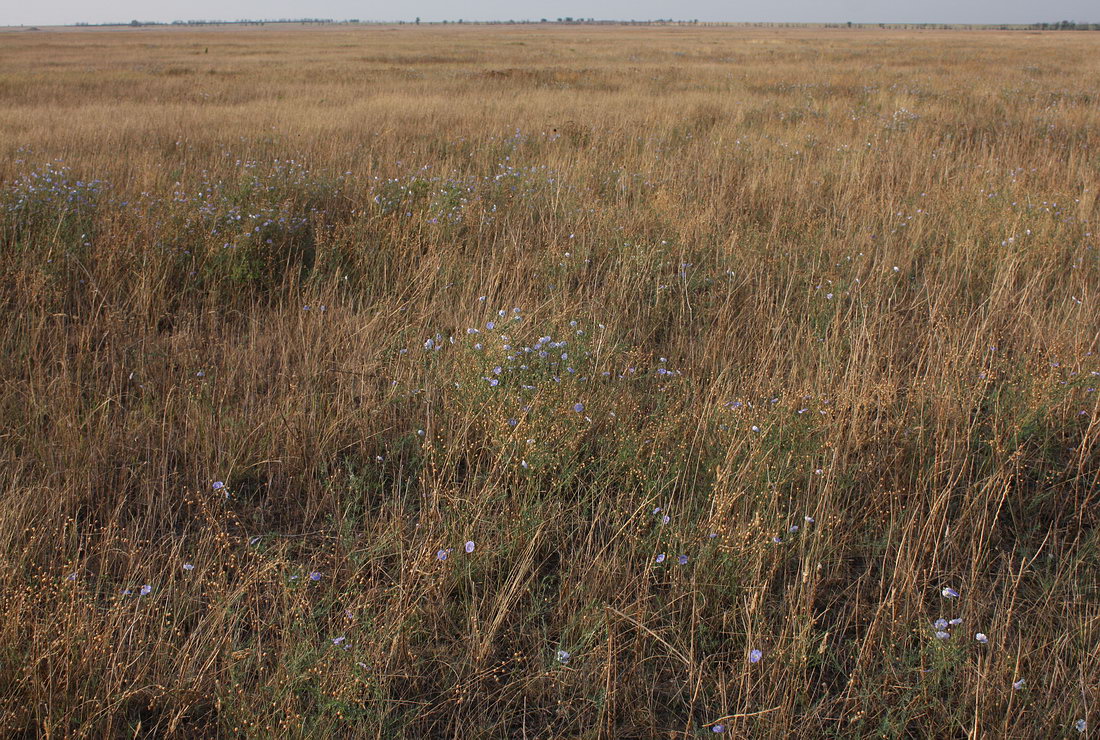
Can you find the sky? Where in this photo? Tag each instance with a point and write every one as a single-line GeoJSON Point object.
{"type": "Point", "coordinates": [61, 12]}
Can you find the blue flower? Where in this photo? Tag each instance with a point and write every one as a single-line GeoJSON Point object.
{"type": "Point", "coordinates": [718, 729]}
{"type": "Point", "coordinates": [755, 655]}
{"type": "Point", "coordinates": [949, 593]}
{"type": "Point", "coordinates": [682, 560]}
{"type": "Point", "coordinates": [441, 555]}
{"type": "Point", "coordinates": [579, 408]}
{"type": "Point", "coordinates": [146, 590]}
{"type": "Point", "coordinates": [563, 657]}
{"type": "Point", "coordinates": [470, 546]}
{"type": "Point", "coordinates": [661, 558]}
{"type": "Point", "coordinates": [314, 576]}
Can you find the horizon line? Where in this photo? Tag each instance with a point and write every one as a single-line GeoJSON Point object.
{"type": "Point", "coordinates": [1061, 24]}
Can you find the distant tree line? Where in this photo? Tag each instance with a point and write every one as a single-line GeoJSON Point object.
{"type": "Point", "coordinates": [1059, 26]}
{"type": "Point", "coordinates": [1066, 26]}
{"type": "Point", "coordinates": [322, 21]}
{"type": "Point", "coordinates": [242, 22]}
{"type": "Point", "coordinates": [568, 20]}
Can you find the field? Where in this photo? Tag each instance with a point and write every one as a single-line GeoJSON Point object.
{"type": "Point", "coordinates": [549, 382]}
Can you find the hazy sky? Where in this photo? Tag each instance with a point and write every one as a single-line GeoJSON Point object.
{"type": "Point", "coordinates": [49, 12]}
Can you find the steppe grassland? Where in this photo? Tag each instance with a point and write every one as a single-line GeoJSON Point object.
{"type": "Point", "coordinates": [812, 310]}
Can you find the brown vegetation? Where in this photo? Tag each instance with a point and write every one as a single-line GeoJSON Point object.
{"type": "Point", "coordinates": [835, 318]}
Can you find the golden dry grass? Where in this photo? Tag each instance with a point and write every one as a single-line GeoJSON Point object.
{"type": "Point", "coordinates": [842, 275]}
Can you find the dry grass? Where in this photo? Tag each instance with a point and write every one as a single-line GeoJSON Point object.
{"type": "Point", "coordinates": [789, 256]}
